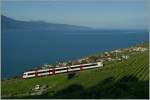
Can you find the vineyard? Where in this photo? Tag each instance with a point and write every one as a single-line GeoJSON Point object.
{"type": "Point", "coordinates": [119, 79]}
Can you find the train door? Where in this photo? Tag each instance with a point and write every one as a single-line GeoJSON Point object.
{"type": "Point", "coordinates": [53, 71]}
{"type": "Point", "coordinates": [81, 67]}
{"type": "Point", "coordinates": [36, 73]}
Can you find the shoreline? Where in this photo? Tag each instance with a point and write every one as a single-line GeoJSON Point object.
{"type": "Point", "coordinates": [70, 61]}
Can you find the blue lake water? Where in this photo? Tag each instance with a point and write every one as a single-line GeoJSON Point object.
{"type": "Point", "coordinates": [25, 49]}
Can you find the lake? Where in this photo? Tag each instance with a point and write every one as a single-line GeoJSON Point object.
{"type": "Point", "coordinates": [24, 49]}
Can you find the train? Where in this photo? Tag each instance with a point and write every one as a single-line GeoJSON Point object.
{"type": "Point", "coordinates": [58, 70]}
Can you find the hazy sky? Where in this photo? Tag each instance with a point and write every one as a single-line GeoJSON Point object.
{"type": "Point", "coordinates": [126, 14]}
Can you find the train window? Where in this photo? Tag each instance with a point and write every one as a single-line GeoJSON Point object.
{"type": "Point", "coordinates": [44, 71]}
{"type": "Point", "coordinates": [30, 73]}
{"type": "Point", "coordinates": [61, 69]}
{"type": "Point", "coordinates": [24, 74]}
{"type": "Point", "coordinates": [75, 67]}
{"type": "Point", "coordinates": [90, 65]}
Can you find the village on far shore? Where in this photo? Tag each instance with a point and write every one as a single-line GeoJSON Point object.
{"type": "Point", "coordinates": [115, 55]}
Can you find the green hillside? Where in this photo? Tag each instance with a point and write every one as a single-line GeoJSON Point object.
{"type": "Point", "coordinates": [118, 79]}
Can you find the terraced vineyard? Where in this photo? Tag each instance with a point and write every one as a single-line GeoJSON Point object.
{"type": "Point", "coordinates": [123, 79]}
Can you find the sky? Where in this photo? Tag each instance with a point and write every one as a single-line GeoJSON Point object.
{"type": "Point", "coordinates": [112, 14]}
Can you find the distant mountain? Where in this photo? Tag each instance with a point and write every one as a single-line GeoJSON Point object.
{"type": "Point", "coordinates": [8, 23]}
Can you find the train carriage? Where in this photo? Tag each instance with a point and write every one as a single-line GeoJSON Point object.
{"type": "Point", "coordinates": [58, 70]}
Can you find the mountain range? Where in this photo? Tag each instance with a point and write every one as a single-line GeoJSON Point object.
{"type": "Point", "coordinates": [9, 23]}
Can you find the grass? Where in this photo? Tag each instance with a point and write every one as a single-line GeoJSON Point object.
{"type": "Point", "coordinates": [124, 79]}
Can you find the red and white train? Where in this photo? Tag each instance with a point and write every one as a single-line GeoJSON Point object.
{"type": "Point", "coordinates": [57, 70]}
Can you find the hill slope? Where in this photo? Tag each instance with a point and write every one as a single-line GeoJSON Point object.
{"type": "Point", "coordinates": [9, 23]}
{"type": "Point", "coordinates": [124, 79]}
